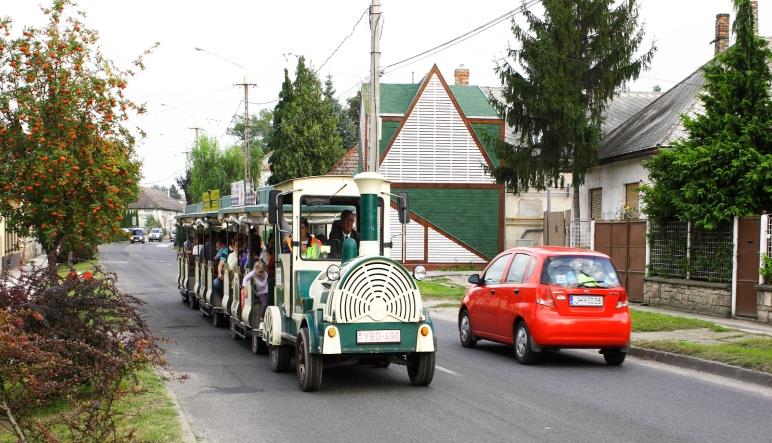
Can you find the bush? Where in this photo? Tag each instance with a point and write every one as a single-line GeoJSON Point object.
{"type": "Point", "coordinates": [69, 340]}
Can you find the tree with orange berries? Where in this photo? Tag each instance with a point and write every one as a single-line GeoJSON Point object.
{"type": "Point", "coordinates": [68, 169]}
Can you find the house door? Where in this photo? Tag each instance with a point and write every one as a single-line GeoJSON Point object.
{"type": "Point", "coordinates": [625, 243]}
{"type": "Point", "coordinates": [748, 229]}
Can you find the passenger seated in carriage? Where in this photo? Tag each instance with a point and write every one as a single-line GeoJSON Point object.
{"type": "Point", "coordinates": [258, 278]}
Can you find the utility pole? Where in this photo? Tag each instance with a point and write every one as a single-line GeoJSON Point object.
{"type": "Point", "coordinates": [375, 85]}
{"type": "Point", "coordinates": [187, 163]}
{"type": "Point", "coordinates": [247, 175]}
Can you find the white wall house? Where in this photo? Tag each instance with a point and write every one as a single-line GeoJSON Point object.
{"type": "Point", "coordinates": [152, 202]}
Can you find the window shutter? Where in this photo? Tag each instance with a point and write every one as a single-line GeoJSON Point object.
{"type": "Point", "coordinates": [596, 203]}
{"type": "Point", "coordinates": [632, 195]}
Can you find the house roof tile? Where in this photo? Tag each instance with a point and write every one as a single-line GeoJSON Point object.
{"type": "Point", "coordinates": [150, 198]}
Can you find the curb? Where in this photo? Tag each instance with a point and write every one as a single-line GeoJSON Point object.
{"type": "Point", "coordinates": [188, 436]}
{"type": "Point", "coordinates": [699, 364]}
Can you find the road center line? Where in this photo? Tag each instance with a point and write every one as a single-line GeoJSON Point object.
{"type": "Point", "coordinates": [446, 370]}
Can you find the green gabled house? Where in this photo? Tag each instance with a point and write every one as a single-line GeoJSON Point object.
{"type": "Point", "coordinates": [435, 144]}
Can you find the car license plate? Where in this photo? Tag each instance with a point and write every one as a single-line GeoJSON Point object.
{"type": "Point", "coordinates": [378, 336]}
{"type": "Point", "coordinates": [586, 300]}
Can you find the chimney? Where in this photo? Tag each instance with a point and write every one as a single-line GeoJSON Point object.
{"type": "Point", "coordinates": [462, 75]}
{"type": "Point", "coordinates": [755, 9]}
{"type": "Point", "coordinates": [722, 33]}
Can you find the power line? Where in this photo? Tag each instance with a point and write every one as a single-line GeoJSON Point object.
{"type": "Point", "coordinates": [343, 41]}
{"type": "Point", "coordinates": [456, 40]}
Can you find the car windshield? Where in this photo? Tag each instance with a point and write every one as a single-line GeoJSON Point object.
{"type": "Point", "coordinates": [138, 232]}
{"type": "Point", "coordinates": [155, 230]}
{"type": "Point", "coordinates": [580, 272]}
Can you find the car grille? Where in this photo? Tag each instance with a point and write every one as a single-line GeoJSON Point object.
{"type": "Point", "coordinates": [377, 290]}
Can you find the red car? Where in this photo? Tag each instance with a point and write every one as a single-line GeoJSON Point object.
{"type": "Point", "coordinates": [548, 298]}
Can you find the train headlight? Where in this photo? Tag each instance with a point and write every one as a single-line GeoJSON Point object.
{"type": "Point", "coordinates": [333, 273]}
{"type": "Point", "coordinates": [419, 272]}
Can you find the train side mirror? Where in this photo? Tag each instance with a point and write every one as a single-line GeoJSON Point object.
{"type": "Point", "coordinates": [274, 207]}
{"type": "Point", "coordinates": [404, 211]}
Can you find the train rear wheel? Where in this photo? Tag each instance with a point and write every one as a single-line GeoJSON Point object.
{"type": "Point", "coordinates": [258, 344]}
{"type": "Point", "coordinates": [420, 368]}
{"type": "Point", "coordinates": [281, 357]}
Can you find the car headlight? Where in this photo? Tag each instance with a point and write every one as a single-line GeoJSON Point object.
{"type": "Point", "coordinates": [333, 273]}
{"type": "Point", "coordinates": [419, 272]}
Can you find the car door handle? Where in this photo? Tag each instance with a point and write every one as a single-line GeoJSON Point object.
{"type": "Point", "coordinates": [493, 292]}
{"type": "Point", "coordinates": [517, 291]}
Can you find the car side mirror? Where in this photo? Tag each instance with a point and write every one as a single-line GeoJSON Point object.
{"type": "Point", "coordinates": [475, 279]}
{"type": "Point", "coordinates": [404, 211]}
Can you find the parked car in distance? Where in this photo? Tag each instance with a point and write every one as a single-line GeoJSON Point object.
{"type": "Point", "coordinates": [548, 297]}
{"type": "Point", "coordinates": [172, 235]}
{"type": "Point", "coordinates": [156, 234]}
{"type": "Point", "coordinates": [137, 235]}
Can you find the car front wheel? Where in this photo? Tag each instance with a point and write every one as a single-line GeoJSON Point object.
{"type": "Point", "coordinates": [523, 352]}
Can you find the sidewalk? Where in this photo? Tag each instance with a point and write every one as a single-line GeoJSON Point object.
{"type": "Point", "coordinates": [39, 261]}
{"type": "Point", "coordinates": [747, 326]}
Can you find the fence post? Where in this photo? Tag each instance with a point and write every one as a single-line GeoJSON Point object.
{"type": "Point", "coordinates": [648, 251]}
{"type": "Point", "coordinates": [688, 248]}
{"type": "Point", "coordinates": [592, 234]}
{"type": "Point", "coordinates": [763, 243]}
{"type": "Point", "coordinates": [734, 265]}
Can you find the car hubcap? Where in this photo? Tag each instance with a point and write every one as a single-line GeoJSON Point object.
{"type": "Point", "coordinates": [522, 341]}
{"type": "Point", "coordinates": [464, 328]}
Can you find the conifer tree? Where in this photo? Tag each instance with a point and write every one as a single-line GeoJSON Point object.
{"type": "Point", "coordinates": [304, 137]}
{"type": "Point", "coordinates": [724, 167]}
{"type": "Point", "coordinates": [572, 61]}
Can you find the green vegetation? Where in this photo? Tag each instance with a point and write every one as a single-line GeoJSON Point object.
{"type": "Point", "coordinates": [557, 81]}
{"type": "Point", "coordinates": [644, 321]}
{"type": "Point", "coordinates": [723, 168]}
{"type": "Point", "coordinates": [753, 352]}
{"type": "Point", "coordinates": [83, 266]}
{"type": "Point", "coordinates": [149, 412]}
{"type": "Point", "coordinates": [441, 288]}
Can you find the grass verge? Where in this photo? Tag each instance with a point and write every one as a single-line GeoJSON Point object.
{"type": "Point", "coordinates": [441, 288]}
{"type": "Point", "coordinates": [87, 265]}
{"type": "Point", "coordinates": [645, 321]}
{"type": "Point", "coordinates": [151, 413]}
{"type": "Point", "coordinates": [754, 352]}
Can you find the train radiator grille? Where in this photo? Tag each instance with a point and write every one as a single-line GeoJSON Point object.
{"type": "Point", "coordinates": [377, 291]}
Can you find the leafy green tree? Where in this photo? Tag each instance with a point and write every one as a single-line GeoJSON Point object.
{"type": "Point", "coordinates": [353, 107]}
{"type": "Point", "coordinates": [207, 170]}
{"type": "Point", "coordinates": [304, 135]}
{"type": "Point", "coordinates": [259, 131]}
{"type": "Point", "coordinates": [152, 222]}
{"type": "Point", "coordinates": [68, 169]}
{"type": "Point", "coordinates": [347, 128]}
{"type": "Point", "coordinates": [174, 193]}
{"type": "Point", "coordinates": [571, 62]}
{"type": "Point", "coordinates": [724, 167]}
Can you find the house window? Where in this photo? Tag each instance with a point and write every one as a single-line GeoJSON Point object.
{"type": "Point", "coordinates": [596, 203]}
{"type": "Point", "coordinates": [632, 197]}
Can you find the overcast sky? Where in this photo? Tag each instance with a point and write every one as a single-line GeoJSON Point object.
{"type": "Point", "coordinates": [186, 88]}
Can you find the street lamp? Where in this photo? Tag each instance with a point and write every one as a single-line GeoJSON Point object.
{"type": "Point", "coordinates": [222, 58]}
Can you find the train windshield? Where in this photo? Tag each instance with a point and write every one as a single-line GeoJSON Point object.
{"type": "Point", "coordinates": [326, 222]}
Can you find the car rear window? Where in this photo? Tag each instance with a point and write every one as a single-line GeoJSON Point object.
{"type": "Point", "coordinates": [580, 271]}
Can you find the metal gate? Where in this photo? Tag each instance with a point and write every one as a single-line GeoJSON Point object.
{"type": "Point", "coordinates": [625, 243]}
{"type": "Point", "coordinates": [748, 229]}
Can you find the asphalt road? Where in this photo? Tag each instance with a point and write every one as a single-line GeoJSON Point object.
{"type": "Point", "coordinates": [478, 394]}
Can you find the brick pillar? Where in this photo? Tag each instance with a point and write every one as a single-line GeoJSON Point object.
{"type": "Point", "coordinates": [721, 40]}
{"type": "Point", "coordinates": [462, 75]}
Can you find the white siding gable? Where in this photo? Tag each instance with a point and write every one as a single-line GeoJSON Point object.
{"type": "Point", "coordinates": [434, 145]}
{"type": "Point", "coordinates": [441, 248]}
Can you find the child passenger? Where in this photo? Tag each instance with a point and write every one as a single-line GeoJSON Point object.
{"type": "Point", "coordinates": [259, 278]}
